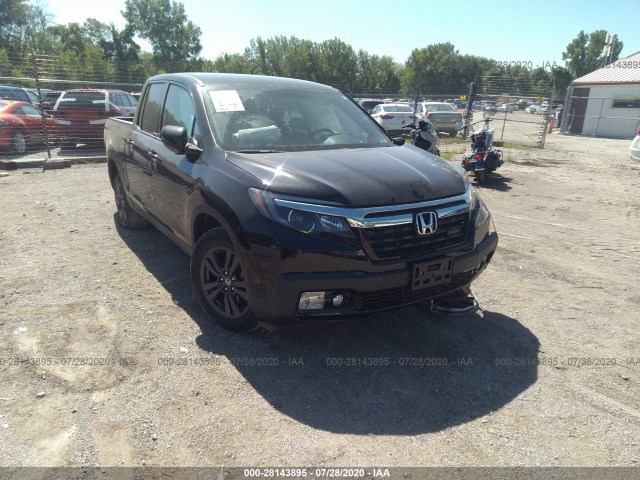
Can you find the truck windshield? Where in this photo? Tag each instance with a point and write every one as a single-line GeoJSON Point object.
{"type": "Point", "coordinates": [255, 118]}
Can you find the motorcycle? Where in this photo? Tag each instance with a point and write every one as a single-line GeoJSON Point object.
{"type": "Point", "coordinates": [424, 136]}
{"type": "Point", "coordinates": [483, 158]}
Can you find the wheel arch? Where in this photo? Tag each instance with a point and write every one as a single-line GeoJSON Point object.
{"type": "Point", "coordinates": [205, 217]}
{"type": "Point", "coordinates": [112, 168]}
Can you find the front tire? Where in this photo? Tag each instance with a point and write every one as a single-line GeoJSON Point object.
{"type": "Point", "coordinates": [18, 143]}
{"type": "Point", "coordinates": [127, 217]}
{"type": "Point", "coordinates": [220, 282]}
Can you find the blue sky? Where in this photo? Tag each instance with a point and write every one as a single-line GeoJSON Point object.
{"type": "Point", "coordinates": [536, 32]}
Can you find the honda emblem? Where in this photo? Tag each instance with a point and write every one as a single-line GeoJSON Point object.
{"type": "Point", "coordinates": [426, 223]}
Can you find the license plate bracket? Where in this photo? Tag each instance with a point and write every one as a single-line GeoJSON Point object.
{"type": "Point", "coordinates": [431, 274]}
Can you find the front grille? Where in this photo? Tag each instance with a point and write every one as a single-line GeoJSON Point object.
{"type": "Point", "coordinates": [403, 240]}
{"type": "Point", "coordinates": [396, 297]}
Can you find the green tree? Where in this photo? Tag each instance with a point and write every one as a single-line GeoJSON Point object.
{"type": "Point", "coordinates": [174, 38]}
{"type": "Point", "coordinates": [13, 20]}
{"type": "Point", "coordinates": [337, 65]}
{"type": "Point", "coordinates": [585, 53]}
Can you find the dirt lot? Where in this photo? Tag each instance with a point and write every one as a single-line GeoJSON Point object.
{"type": "Point", "coordinates": [108, 360]}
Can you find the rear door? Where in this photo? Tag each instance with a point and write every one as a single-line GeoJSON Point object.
{"type": "Point", "coordinates": [32, 118]}
{"type": "Point", "coordinates": [138, 162]}
{"type": "Point", "coordinates": [171, 183]}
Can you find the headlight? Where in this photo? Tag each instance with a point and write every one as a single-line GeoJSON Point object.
{"type": "Point", "coordinates": [483, 220]}
{"type": "Point", "coordinates": [302, 219]}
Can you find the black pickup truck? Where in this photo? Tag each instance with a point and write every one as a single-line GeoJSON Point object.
{"type": "Point", "coordinates": [293, 204]}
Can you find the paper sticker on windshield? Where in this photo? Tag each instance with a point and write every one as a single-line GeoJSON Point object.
{"type": "Point", "coordinates": [226, 101]}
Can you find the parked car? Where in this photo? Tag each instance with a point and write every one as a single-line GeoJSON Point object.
{"type": "Point", "coordinates": [506, 107]}
{"type": "Point", "coordinates": [443, 116]}
{"type": "Point", "coordinates": [524, 103]}
{"type": "Point", "coordinates": [293, 204]}
{"type": "Point", "coordinates": [490, 108]}
{"type": "Point", "coordinates": [456, 102]}
{"type": "Point", "coordinates": [392, 116]}
{"type": "Point", "coordinates": [21, 126]}
{"type": "Point", "coordinates": [81, 114]}
{"type": "Point", "coordinates": [8, 92]}
{"type": "Point", "coordinates": [634, 149]}
{"type": "Point", "coordinates": [368, 104]}
{"type": "Point", "coordinates": [531, 108]}
{"type": "Point", "coordinates": [49, 100]}
{"type": "Point", "coordinates": [542, 109]}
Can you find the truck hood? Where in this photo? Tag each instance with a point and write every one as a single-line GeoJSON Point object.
{"type": "Point", "coordinates": [355, 177]}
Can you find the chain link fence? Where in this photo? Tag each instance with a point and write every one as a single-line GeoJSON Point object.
{"type": "Point", "coordinates": [65, 117]}
{"type": "Point", "coordinates": [65, 104]}
{"type": "Point", "coordinates": [509, 103]}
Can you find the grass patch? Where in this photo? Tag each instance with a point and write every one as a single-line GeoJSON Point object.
{"type": "Point", "coordinates": [515, 145]}
{"type": "Point", "coordinates": [452, 141]}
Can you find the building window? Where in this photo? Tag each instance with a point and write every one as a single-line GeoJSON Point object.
{"type": "Point", "coordinates": [626, 102]}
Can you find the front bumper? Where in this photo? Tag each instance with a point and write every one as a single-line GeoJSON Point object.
{"type": "Point", "coordinates": [367, 292]}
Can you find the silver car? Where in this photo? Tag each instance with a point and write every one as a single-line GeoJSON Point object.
{"type": "Point", "coordinates": [393, 116]}
{"type": "Point", "coordinates": [443, 116]}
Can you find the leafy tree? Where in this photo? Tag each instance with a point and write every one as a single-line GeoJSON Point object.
{"type": "Point", "coordinates": [337, 64]}
{"type": "Point", "coordinates": [427, 69]}
{"type": "Point", "coordinates": [585, 53]}
{"type": "Point", "coordinates": [13, 20]}
{"type": "Point", "coordinates": [174, 38]}
{"type": "Point", "coordinates": [70, 37]}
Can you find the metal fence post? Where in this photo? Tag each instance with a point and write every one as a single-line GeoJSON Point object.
{"type": "Point", "coordinates": [546, 123]}
{"type": "Point", "coordinates": [467, 116]}
{"type": "Point", "coordinates": [45, 129]}
{"type": "Point", "coordinates": [566, 110]}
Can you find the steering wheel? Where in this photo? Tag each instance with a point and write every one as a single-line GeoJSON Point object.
{"type": "Point", "coordinates": [321, 134]}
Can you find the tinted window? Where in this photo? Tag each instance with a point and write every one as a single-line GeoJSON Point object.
{"type": "Point", "coordinates": [33, 97]}
{"type": "Point", "coordinates": [397, 108]}
{"type": "Point", "coordinates": [29, 110]}
{"type": "Point", "coordinates": [51, 97]}
{"type": "Point", "coordinates": [626, 103]}
{"type": "Point", "coordinates": [81, 100]}
{"type": "Point", "coordinates": [178, 109]}
{"type": "Point", "coordinates": [152, 107]}
{"type": "Point", "coordinates": [441, 108]}
{"type": "Point", "coordinates": [121, 100]}
{"type": "Point", "coordinates": [14, 94]}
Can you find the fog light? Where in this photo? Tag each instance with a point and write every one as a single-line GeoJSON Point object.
{"type": "Point", "coordinates": [337, 300]}
{"type": "Point", "coordinates": [312, 301]}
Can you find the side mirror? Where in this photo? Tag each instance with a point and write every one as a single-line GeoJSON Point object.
{"type": "Point", "coordinates": [176, 138]}
{"type": "Point", "coordinates": [399, 141]}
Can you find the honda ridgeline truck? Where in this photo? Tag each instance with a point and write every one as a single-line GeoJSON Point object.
{"type": "Point", "coordinates": [293, 204]}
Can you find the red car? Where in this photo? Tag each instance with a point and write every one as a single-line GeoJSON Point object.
{"type": "Point", "coordinates": [21, 126]}
{"type": "Point", "coordinates": [81, 114]}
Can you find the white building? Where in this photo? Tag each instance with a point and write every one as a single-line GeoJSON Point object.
{"type": "Point", "coordinates": [606, 102]}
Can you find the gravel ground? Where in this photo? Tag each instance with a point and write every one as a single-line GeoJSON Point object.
{"type": "Point", "coordinates": [108, 360]}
